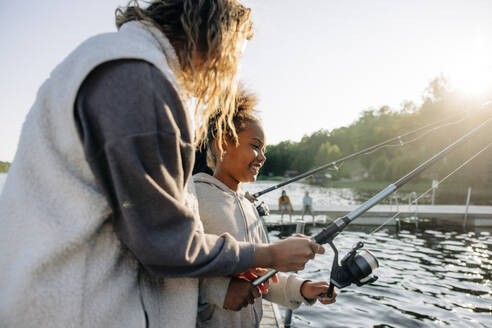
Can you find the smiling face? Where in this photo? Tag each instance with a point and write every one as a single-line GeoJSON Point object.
{"type": "Point", "coordinates": [242, 163]}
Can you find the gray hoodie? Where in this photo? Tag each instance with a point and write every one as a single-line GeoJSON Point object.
{"type": "Point", "coordinates": [223, 210]}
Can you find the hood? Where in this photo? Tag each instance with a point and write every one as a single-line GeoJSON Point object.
{"type": "Point", "coordinates": [206, 178]}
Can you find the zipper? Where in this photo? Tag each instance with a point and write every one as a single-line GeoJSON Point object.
{"type": "Point", "coordinates": [244, 218]}
{"type": "Point", "coordinates": [252, 310]}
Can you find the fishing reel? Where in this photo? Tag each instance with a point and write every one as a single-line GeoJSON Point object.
{"type": "Point", "coordinates": [263, 209]}
{"type": "Point", "coordinates": [355, 268]}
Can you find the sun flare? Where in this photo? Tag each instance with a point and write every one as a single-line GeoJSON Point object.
{"type": "Point", "coordinates": [472, 72]}
{"type": "Point", "coordinates": [472, 80]}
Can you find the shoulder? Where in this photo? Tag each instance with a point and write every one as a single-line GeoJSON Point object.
{"type": "Point", "coordinates": [207, 190]}
{"type": "Point", "coordinates": [133, 97]}
{"type": "Point", "coordinates": [203, 189]}
{"type": "Point", "coordinates": [130, 75]}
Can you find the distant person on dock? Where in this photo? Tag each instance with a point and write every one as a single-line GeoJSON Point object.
{"type": "Point", "coordinates": [307, 206]}
{"type": "Point", "coordinates": [225, 209]}
{"type": "Point", "coordinates": [98, 211]}
{"type": "Point", "coordinates": [284, 205]}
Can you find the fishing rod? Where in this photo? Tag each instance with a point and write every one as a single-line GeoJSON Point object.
{"type": "Point", "coordinates": [358, 265]}
{"type": "Point", "coordinates": [345, 158]}
{"type": "Point", "coordinates": [415, 201]}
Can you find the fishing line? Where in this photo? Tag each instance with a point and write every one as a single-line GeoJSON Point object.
{"type": "Point", "coordinates": [430, 189]}
{"type": "Point", "coordinates": [408, 142]}
{"type": "Point", "coordinates": [373, 148]}
{"type": "Point", "coordinates": [405, 143]}
{"type": "Point", "coordinates": [425, 192]}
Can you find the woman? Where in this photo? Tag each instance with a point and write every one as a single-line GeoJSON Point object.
{"type": "Point", "coordinates": [97, 208]}
{"type": "Point", "coordinates": [224, 208]}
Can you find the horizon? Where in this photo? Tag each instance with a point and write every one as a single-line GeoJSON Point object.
{"type": "Point", "coordinates": [330, 61]}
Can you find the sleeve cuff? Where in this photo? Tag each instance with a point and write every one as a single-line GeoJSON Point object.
{"type": "Point", "coordinates": [307, 301]}
{"type": "Point", "coordinates": [294, 285]}
{"type": "Point", "coordinates": [246, 257]}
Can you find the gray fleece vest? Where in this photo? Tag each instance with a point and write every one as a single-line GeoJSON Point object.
{"type": "Point", "coordinates": [61, 263]}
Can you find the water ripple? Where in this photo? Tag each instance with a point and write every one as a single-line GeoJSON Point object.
{"type": "Point", "coordinates": [431, 278]}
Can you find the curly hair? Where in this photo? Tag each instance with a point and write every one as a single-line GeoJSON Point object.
{"type": "Point", "coordinates": [245, 112]}
{"type": "Point", "coordinates": [212, 31]}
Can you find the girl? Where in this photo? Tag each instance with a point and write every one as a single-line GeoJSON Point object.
{"type": "Point", "coordinates": [224, 208]}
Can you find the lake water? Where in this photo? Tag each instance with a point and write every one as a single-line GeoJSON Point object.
{"type": "Point", "coordinates": [322, 196]}
{"type": "Point", "coordinates": [437, 277]}
{"type": "Point", "coordinates": [430, 278]}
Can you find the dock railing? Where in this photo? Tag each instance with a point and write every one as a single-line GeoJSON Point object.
{"type": "Point", "coordinates": [300, 224]}
{"type": "Point", "coordinates": [467, 205]}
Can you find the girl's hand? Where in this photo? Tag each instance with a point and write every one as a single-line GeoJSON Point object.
{"type": "Point", "coordinates": [312, 289]}
{"type": "Point", "coordinates": [262, 271]}
{"type": "Point", "coordinates": [239, 294]}
{"type": "Point", "coordinates": [254, 273]}
{"type": "Point", "coordinates": [264, 286]}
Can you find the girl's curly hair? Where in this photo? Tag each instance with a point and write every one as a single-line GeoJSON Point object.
{"type": "Point", "coordinates": [211, 31]}
{"type": "Point", "coordinates": [245, 112]}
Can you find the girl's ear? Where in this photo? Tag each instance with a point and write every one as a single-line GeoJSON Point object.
{"type": "Point", "coordinates": [227, 144]}
{"type": "Point", "coordinates": [219, 155]}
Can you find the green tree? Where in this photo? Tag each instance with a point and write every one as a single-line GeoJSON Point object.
{"type": "Point", "coordinates": [4, 167]}
{"type": "Point", "coordinates": [326, 153]}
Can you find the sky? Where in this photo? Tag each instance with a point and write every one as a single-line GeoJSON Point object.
{"type": "Point", "coordinates": [314, 64]}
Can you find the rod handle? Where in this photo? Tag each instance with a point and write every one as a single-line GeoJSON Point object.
{"type": "Point", "coordinates": [329, 293]}
{"type": "Point", "coordinates": [261, 279]}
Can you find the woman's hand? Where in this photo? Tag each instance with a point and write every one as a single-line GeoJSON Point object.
{"type": "Point", "coordinates": [257, 272]}
{"type": "Point", "coordinates": [290, 254]}
{"type": "Point", "coordinates": [312, 289]}
{"type": "Point", "coordinates": [262, 271]}
{"type": "Point", "coordinates": [239, 294]}
{"type": "Point", "coordinates": [254, 273]}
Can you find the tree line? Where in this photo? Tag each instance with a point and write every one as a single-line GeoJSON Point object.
{"type": "Point", "coordinates": [390, 163]}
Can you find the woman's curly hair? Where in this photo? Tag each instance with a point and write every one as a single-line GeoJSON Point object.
{"type": "Point", "coordinates": [245, 112]}
{"type": "Point", "coordinates": [211, 30]}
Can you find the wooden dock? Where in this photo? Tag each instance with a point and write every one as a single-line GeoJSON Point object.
{"type": "Point", "coordinates": [271, 316]}
{"type": "Point", "coordinates": [478, 216]}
